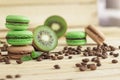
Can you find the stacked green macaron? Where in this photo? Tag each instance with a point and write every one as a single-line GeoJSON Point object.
{"type": "Point", "coordinates": [18, 34]}
{"type": "Point", "coordinates": [75, 38]}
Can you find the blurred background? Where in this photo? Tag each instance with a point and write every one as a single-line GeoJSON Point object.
{"type": "Point", "coordinates": [77, 13]}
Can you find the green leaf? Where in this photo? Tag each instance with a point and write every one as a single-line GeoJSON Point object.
{"type": "Point", "coordinates": [35, 54]}
{"type": "Point", "coordinates": [26, 58]}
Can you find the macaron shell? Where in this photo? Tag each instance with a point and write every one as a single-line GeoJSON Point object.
{"type": "Point", "coordinates": [17, 18]}
{"type": "Point", "coordinates": [95, 34]}
{"type": "Point", "coordinates": [17, 26]}
{"type": "Point", "coordinates": [19, 37]}
{"type": "Point", "coordinates": [76, 34]}
{"type": "Point", "coordinates": [20, 50]}
{"type": "Point", "coordinates": [76, 42]}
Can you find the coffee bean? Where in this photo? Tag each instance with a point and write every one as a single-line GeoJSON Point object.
{"type": "Point", "coordinates": [60, 52]}
{"type": "Point", "coordinates": [82, 68]}
{"type": "Point", "coordinates": [105, 44]}
{"type": "Point", "coordinates": [85, 54]}
{"type": "Point", "coordinates": [6, 60]}
{"type": "Point", "coordinates": [88, 66]}
{"type": "Point", "coordinates": [77, 64]}
{"type": "Point", "coordinates": [83, 63]}
{"type": "Point", "coordinates": [112, 48]}
{"type": "Point", "coordinates": [66, 54]}
{"type": "Point", "coordinates": [92, 67]}
{"type": "Point", "coordinates": [79, 48]}
{"type": "Point", "coordinates": [116, 55]}
{"type": "Point", "coordinates": [114, 61]}
{"type": "Point", "coordinates": [111, 53]}
{"type": "Point", "coordinates": [17, 76]}
{"type": "Point", "coordinates": [60, 57]}
{"type": "Point", "coordinates": [54, 58]}
{"type": "Point", "coordinates": [104, 56]}
{"type": "Point", "coordinates": [39, 59]}
{"type": "Point", "coordinates": [85, 60]}
{"type": "Point", "coordinates": [56, 66]}
{"type": "Point", "coordinates": [19, 61]}
{"type": "Point", "coordinates": [65, 48]}
{"type": "Point", "coordinates": [56, 54]}
{"type": "Point", "coordinates": [9, 76]}
{"type": "Point", "coordinates": [95, 59]}
{"type": "Point", "coordinates": [119, 47]}
{"type": "Point", "coordinates": [98, 64]}
{"type": "Point", "coordinates": [69, 57]}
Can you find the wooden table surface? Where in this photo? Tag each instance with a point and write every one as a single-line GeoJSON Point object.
{"type": "Point", "coordinates": [33, 70]}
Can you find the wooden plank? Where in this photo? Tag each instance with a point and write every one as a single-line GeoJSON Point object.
{"type": "Point", "coordinates": [75, 15]}
{"type": "Point", "coordinates": [41, 2]}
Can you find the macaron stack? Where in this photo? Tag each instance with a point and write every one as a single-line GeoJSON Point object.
{"type": "Point", "coordinates": [18, 37]}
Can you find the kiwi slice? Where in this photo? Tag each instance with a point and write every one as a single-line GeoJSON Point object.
{"type": "Point", "coordinates": [57, 24]}
{"type": "Point", "coordinates": [44, 39]}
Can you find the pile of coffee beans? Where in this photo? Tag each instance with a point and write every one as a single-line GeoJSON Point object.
{"type": "Point", "coordinates": [98, 52]}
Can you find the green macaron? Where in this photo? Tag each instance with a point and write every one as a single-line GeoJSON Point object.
{"type": "Point", "coordinates": [76, 38]}
{"type": "Point", "coordinates": [19, 37]}
{"type": "Point", "coordinates": [17, 22]}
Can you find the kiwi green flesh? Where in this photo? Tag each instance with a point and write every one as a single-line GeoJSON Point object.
{"type": "Point", "coordinates": [44, 39]}
{"type": "Point", "coordinates": [57, 20]}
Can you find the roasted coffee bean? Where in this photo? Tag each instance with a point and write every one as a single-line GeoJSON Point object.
{"type": "Point", "coordinates": [88, 66]}
{"type": "Point", "coordinates": [116, 55]}
{"type": "Point", "coordinates": [77, 64]}
{"type": "Point", "coordinates": [104, 44]}
{"type": "Point", "coordinates": [56, 66]}
{"type": "Point", "coordinates": [69, 57]}
{"type": "Point", "coordinates": [112, 48]}
{"type": "Point", "coordinates": [111, 53]}
{"type": "Point", "coordinates": [85, 54]}
{"type": "Point", "coordinates": [92, 67]}
{"type": "Point", "coordinates": [9, 76]}
{"type": "Point", "coordinates": [19, 61]}
{"type": "Point", "coordinates": [54, 58]}
{"type": "Point", "coordinates": [90, 54]}
{"type": "Point", "coordinates": [85, 60]}
{"type": "Point", "coordinates": [17, 76]}
{"type": "Point", "coordinates": [83, 63]}
{"type": "Point", "coordinates": [104, 56]}
{"type": "Point", "coordinates": [65, 48]}
{"type": "Point", "coordinates": [60, 57]}
{"type": "Point", "coordinates": [66, 54]}
{"type": "Point", "coordinates": [60, 52]}
{"type": "Point", "coordinates": [114, 61]}
{"type": "Point", "coordinates": [39, 59]}
{"type": "Point", "coordinates": [95, 59]}
{"type": "Point", "coordinates": [119, 47]}
{"type": "Point", "coordinates": [98, 64]}
{"type": "Point", "coordinates": [56, 54]}
{"type": "Point", "coordinates": [6, 60]}
{"type": "Point", "coordinates": [82, 68]}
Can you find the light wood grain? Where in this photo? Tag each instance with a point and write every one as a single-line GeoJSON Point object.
{"type": "Point", "coordinates": [42, 2]}
{"type": "Point", "coordinates": [74, 14]}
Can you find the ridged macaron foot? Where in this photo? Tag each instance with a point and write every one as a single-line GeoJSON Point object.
{"type": "Point", "coordinates": [44, 39]}
{"type": "Point", "coordinates": [19, 37]}
{"type": "Point", "coordinates": [75, 38]}
{"type": "Point", "coordinates": [17, 22]}
{"type": "Point", "coordinates": [57, 24]}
